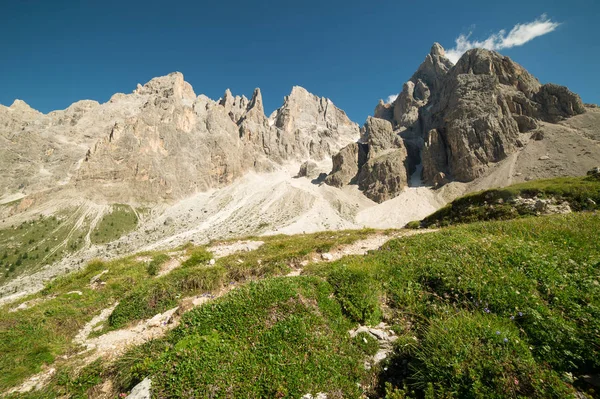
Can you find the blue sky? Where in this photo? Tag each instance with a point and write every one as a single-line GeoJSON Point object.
{"type": "Point", "coordinates": [354, 52]}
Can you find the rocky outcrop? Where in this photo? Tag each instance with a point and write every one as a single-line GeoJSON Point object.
{"type": "Point", "coordinates": [456, 120]}
{"type": "Point", "coordinates": [485, 102]}
{"type": "Point", "coordinates": [558, 103]}
{"type": "Point", "coordinates": [384, 111]}
{"type": "Point", "coordinates": [346, 165]}
{"type": "Point", "coordinates": [425, 82]}
{"type": "Point", "coordinates": [477, 127]}
{"type": "Point", "coordinates": [384, 174]}
{"type": "Point", "coordinates": [308, 169]}
{"type": "Point", "coordinates": [377, 163]}
{"type": "Point", "coordinates": [163, 142]}
{"type": "Point", "coordinates": [434, 157]}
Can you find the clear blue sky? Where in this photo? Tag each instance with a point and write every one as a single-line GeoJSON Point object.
{"type": "Point", "coordinates": [354, 52]}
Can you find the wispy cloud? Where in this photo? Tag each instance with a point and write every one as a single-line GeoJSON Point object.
{"type": "Point", "coordinates": [391, 98]}
{"type": "Point", "coordinates": [518, 35]}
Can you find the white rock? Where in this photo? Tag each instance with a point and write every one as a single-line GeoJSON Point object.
{"type": "Point", "coordinates": [327, 256]}
{"type": "Point", "coordinates": [141, 390]}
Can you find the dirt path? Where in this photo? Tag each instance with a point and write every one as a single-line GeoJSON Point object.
{"type": "Point", "coordinates": [360, 247]}
{"type": "Point", "coordinates": [113, 344]}
{"type": "Point", "coordinates": [226, 249]}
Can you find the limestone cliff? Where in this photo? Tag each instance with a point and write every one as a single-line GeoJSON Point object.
{"type": "Point", "coordinates": [162, 141]}
{"type": "Point", "coordinates": [456, 120]}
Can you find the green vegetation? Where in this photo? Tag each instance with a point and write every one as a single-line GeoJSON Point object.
{"type": "Point", "coordinates": [581, 193]}
{"type": "Point", "coordinates": [198, 256]}
{"type": "Point", "coordinates": [277, 338]}
{"type": "Point", "coordinates": [35, 243]}
{"type": "Point", "coordinates": [113, 225]}
{"type": "Point", "coordinates": [517, 314]}
{"type": "Point", "coordinates": [157, 261]}
{"type": "Point", "coordinates": [491, 309]}
{"type": "Point", "coordinates": [497, 309]}
{"type": "Point", "coordinates": [195, 275]}
{"type": "Point", "coordinates": [42, 333]}
{"type": "Point", "coordinates": [279, 253]}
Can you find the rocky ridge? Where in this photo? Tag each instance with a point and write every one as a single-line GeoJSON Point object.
{"type": "Point", "coordinates": [162, 142]}
{"type": "Point", "coordinates": [457, 120]}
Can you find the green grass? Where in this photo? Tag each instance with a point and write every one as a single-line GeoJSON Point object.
{"type": "Point", "coordinates": [280, 253]}
{"type": "Point", "coordinates": [511, 316]}
{"type": "Point", "coordinates": [277, 338]}
{"type": "Point", "coordinates": [33, 337]}
{"type": "Point", "coordinates": [38, 335]}
{"type": "Point", "coordinates": [502, 309]}
{"type": "Point", "coordinates": [582, 194]}
{"type": "Point", "coordinates": [274, 257]}
{"type": "Point", "coordinates": [535, 280]}
{"type": "Point", "coordinates": [121, 220]}
{"type": "Point", "coordinates": [157, 261]}
{"type": "Point", "coordinates": [29, 246]}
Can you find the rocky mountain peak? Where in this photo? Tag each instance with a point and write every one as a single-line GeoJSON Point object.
{"type": "Point", "coordinates": [437, 50]}
{"type": "Point", "coordinates": [298, 91]}
{"type": "Point", "coordinates": [487, 62]}
{"type": "Point", "coordinates": [22, 106]}
{"type": "Point", "coordinates": [171, 86]}
{"type": "Point", "coordinates": [256, 102]}
{"type": "Point", "coordinates": [455, 120]}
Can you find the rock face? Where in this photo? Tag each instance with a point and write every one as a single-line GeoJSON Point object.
{"type": "Point", "coordinates": [346, 165]}
{"type": "Point", "coordinates": [308, 169]}
{"type": "Point", "coordinates": [457, 119]}
{"type": "Point", "coordinates": [454, 120]}
{"type": "Point", "coordinates": [162, 142]}
{"type": "Point", "coordinates": [377, 163]}
{"type": "Point", "coordinates": [485, 102]}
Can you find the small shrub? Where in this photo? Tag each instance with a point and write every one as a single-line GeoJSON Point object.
{"type": "Point", "coordinates": [357, 292]}
{"type": "Point", "coordinates": [199, 256]}
{"type": "Point", "coordinates": [367, 343]}
{"type": "Point", "coordinates": [77, 384]}
{"type": "Point", "coordinates": [415, 224]}
{"type": "Point", "coordinates": [155, 264]}
{"type": "Point", "coordinates": [143, 303]}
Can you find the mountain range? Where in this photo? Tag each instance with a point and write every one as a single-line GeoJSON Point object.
{"type": "Point", "coordinates": [194, 169]}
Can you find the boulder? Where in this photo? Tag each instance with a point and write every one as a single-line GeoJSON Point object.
{"type": "Point", "coordinates": [558, 103]}
{"type": "Point", "coordinates": [141, 390]}
{"type": "Point", "coordinates": [384, 176]}
{"type": "Point", "coordinates": [345, 166]}
{"type": "Point", "coordinates": [308, 169]}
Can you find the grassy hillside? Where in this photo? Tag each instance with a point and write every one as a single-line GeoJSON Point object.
{"type": "Point", "coordinates": [42, 333]}
{"type": "Point", "coordinates": [30, 245]}
{"type": "Point", "coordinates": [495, 309]}
{"type": "Point", "coordinates": [581, 193]}
{"type": "Point", "coordinates": [121, 220]}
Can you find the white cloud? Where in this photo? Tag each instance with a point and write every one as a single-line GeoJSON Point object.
{"type": "Point", "coordinates": [391, 98]}
{"type": "Point", "coordinates": [518, 35]}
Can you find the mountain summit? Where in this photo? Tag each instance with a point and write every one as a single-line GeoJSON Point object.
{"type": "Point", "coordinates": [163, 142]}
{"type": "Point", "coordinates": [455, 121]}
